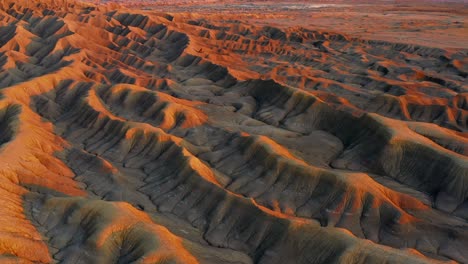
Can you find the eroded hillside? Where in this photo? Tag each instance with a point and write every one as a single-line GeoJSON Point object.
{"type": "Point", "coordinates": [138, 136]}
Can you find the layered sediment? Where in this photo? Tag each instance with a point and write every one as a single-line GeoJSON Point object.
{"type": "Point", "coordinates": [136, 136]}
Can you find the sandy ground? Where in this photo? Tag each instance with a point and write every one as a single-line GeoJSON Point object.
{"type": "Point", "coordinates": [424, 23]}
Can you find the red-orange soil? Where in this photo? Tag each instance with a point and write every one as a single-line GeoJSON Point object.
{"type": "Point", "coordinates": [266, 132]}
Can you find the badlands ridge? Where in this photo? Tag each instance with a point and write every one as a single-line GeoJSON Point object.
{"type": "Point", "coordinates": [132, 136]}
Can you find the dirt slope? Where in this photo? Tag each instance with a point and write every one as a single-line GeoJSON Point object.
{"type": "Point", "coordinates": [137, 136]}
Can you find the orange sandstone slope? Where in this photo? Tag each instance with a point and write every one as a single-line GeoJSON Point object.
{"type": "Point", "coordinates": [131, 136]}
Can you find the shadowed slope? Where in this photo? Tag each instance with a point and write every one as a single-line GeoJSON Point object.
{"type": "Point", "coordinates": [136, 136]}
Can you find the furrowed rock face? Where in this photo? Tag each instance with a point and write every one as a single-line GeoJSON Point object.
{"type": "Point", "coordinates": [135, 136]}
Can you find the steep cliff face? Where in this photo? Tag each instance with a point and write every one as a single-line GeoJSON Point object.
{"type": "Point", "coordinates": [133, 136]}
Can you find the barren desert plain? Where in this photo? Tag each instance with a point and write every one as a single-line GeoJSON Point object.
{"type": "Point", "coordinates": [233, 131]}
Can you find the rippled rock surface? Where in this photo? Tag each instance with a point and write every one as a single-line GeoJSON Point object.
{"type": "Point", "coordinates": [132, 136]}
